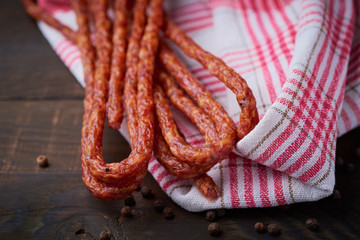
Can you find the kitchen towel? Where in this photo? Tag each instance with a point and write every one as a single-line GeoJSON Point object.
{"type": "Point", "coordinates": [302, 61]}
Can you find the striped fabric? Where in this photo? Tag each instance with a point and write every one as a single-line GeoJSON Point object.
{"type": "Point", "coordinates": [302, 61]}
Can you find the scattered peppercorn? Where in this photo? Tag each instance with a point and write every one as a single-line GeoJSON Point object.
{"type": "Point", "coordinates": [336, 194]}
{"type": "Point", "coordinates": [339, 162]}
{"type": "Point", "coordinates": [105, 235]}
{"type": "Point", "coordinates": [159, 206]}
{"type": "Point", "coordinates": [214, 229]}
{"type": "Point", "coordinates": [146, 192]}
{"type": "Point", "coordinates": [211, 216]}
{"type": "Point", "coordinates": [221, 212]}
{"type": "Point", "coordinates": [42, 161]}
{"type": "Point", "coordinates": [129, 200]}
{"type": "Point", "coordinates": [349, 167]}
{"type": "Point", "coordinates": [312, 224]}
{"type": "Point", "coordinates": [259, 227]}
{"type": "Point", "coordinates": [274, 229]}
{"type": "Point", "coordinates": [357, 152]}
{"type": "Point", "coordinates": [126, 211]}
{"type": "Point", "coordinates": [168, 213]}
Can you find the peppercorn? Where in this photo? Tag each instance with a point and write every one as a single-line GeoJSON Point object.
{"type": "Point", "coordinates": [336, 194]}
{"type": "Point", "coordinates": [214, 229]}
{"type": "Point", "coordinates": [146, 192]}
{"type": "Point", "coordinates": [42, 161]}
{"type": "Point", "coordinates": [312, 223]}
{"type": "Point", "coordinates": [259, 227]}
{"type": "Point", "coordinates": [339, 162]}
{"type": "Point", "coordinates": [211, 216]}
{"type": "Point", "coordinates": [168, 213]}
{"type": "Point", "coordinates": [105, 235]}
{"type": "Point", "coordinates": [159, 206]}
{"type": "Point", "coordinates": [129, 200]}
{"type": "Point", "coordinates": [357, 152]}
{"type": "Point", "coordinates": [221, 212]}
{"type": "Point", "coordinates": [126, 211]}
{"type": "Point", "coordinates": [274, 229]}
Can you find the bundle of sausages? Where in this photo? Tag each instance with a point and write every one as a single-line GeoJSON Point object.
{"type": "Point", "coordinates": [129, 61]}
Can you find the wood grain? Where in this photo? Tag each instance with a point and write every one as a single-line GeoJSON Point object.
{"type": "Point", "coordinates": [30, 69]}
{"type": "Point", "coordinates": [41, 113]}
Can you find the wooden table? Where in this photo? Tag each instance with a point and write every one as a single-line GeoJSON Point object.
{"type": "Point", "coordinates": [41, 113]}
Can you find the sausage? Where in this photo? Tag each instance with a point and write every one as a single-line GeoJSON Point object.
{"type": "Point", "coordinates": [162, 153]}
{"type": "Point", "coordinates": [40, 14]}
{"type": "Point", "coordinates": [249, 115]}
{"type": "Point", "coordinates": [86, 49]}
{"type": "Point", "coordinates": [208, 155]}
{"type": "Point", "coordinates": [116, 83]}
{"type": "Point", "coordinates": [176, 167]}
{"type": "Point", "coordinates": [130, 88]}
{"type": "Point", "coordinates": [116, 180]}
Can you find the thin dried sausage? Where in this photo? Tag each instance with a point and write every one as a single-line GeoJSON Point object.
{"type": "Point", "coordinates": [208, 155]}
{"type": "Point", "coordinates": [40, 14]}
{"type": "Point", "coordinates": [249, 115]}
{"type": "Point", "coordinates": [114, 105]}
{"type": "Point", "coordinates": [116, 180]}
{"type": "Point", "coordinates": [130, 88]}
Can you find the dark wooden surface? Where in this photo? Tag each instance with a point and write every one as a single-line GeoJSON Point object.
{"type": "Point", "coordinates": [41, 113]}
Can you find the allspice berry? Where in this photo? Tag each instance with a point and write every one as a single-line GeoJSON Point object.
{"type": "Point", "coordinates": [312, 223]}
{"type": "Point", "coordinates": [211, 216]}
{"type": "Point", "coordinates": [168, 213]}
{"type": "Point", "coordinates": [42, 161]}
{"type": "Point", "coordinates": [129, 200]}
{"type": "Point", "coordinates": [126, 211]}
{"type": "Point", "coordinates": [274, 229]}
{"type": "Point", "coordinates": [220, 212]}
{"type": "Point", "coordinates": [357, 152]}
{"type": "Point", "coordinates": [146, 192]}
{"type": "Point", "coordinates": [259, 227]}
{"type": "Point", "coordinates": [214, 229]}
{"type": "Point", "coordinates": [336, 194]}
{"type": "Point", "coordinates": [159, 206]}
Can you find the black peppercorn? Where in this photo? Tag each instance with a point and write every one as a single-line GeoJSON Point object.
{"type": "Point", "coordinates": [259, 227]}
{"type": "Point", "coordinates": [211, 216]}
{"type": "Point", "coordinates": [159, 206]}
{"type": "Point", "coordinates": [42, 161]}
{"type": "Point", "coordinates": [146, 192]}
{"type": "Point", "coordinates": [312, 224]}
{"type": "Point", "coordinates": [105, 235]}
{"type": "Point", "coordinates": [168, 213]}
{"type": "Point", "coordinates": [221, 212]}
{"type": "Point", "coordinates": [126, 211]}
{"type": "Point", "coordinates": [336, 194]}
{"type": "Point", "coordinates": [339, 162]}
{"type": "Point", "coordinates": [129, 200]}
{"type": "Point", "coordinates": [357, 152]}
{"type": "Point", "coordinates": [274, 229]}
{"type": "Point", "coordinates": [214, 229]}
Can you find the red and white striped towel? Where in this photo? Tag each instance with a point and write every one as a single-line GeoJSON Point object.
{"type": "Point", "coordinates": [302, 61]}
